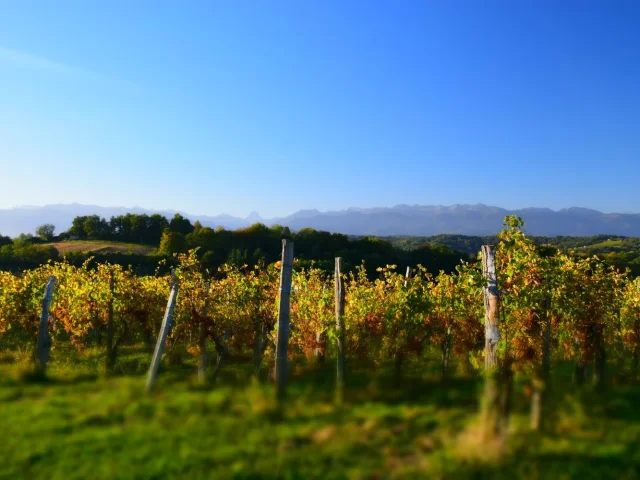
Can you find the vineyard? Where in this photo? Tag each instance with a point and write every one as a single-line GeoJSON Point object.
{"type": "Point", "coordinates": [515, 320]}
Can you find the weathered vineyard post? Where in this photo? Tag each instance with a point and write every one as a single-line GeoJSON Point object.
{"type": "Point", "coordinates": [44, 339]}
{"type": "Point", "coordinates": [340, 337]}
{"type": "Point", "coordinates": [202, 341]}
{"type": "Point", "coordinates": [495, 400]}
{"type": "Point", "coordinates": [407, 276]}
{"type": "Point", "coordinates": [162, 336]}
{"type": "Point", "coordinates": [282, 343]}
{"type": "Point", "coordinates": [491, 308]}
{"type": "Point", "coordinates": [321, 346]}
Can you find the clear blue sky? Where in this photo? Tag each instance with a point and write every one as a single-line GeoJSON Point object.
{"type": "Point", "coordinates": [232, 106]}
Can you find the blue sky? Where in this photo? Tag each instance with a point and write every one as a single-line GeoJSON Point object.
{"type": "Point", "coordinates": [234, 106]}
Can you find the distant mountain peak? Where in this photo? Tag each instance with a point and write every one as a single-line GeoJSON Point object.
{"type": "Point", "coordinates": [305, 213]}
{"type": "Point", "coordinates": [581, 210]}
{"type": "Point", "coordinates": [401, 219]}
{"type": "Point", "coordinates": [254, 217]}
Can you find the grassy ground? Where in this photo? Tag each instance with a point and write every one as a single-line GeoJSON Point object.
{"type": "Point", "coordinates": [100, 246]}
{"type": "Point", "coordinates": [82, 425]}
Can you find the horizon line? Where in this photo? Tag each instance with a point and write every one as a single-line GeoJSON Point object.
{"type": "Point", "coordinates": [255, 213]}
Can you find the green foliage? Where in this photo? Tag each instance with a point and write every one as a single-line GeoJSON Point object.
{"type": "Point", "coordinates": [620, 252]}
{"type": "Point", "coordinates": [180, 225]}
{"type": "Point", "coordinates": [143, 229]}
{"type": "Point", "coordinates": [172, 242]}
{"type": "Point", "coordinates": [5, 241]}
{"type": "Point", "coordinates": [22, 254]}
{"type": "Point", "coordinates": [95, 227]}
{"type": "Point", "coordinates": [134, 228]}
{"type": "Point", "coordinates": [45, 232]}
{"type": "Point", "coordinates": [220, 246]}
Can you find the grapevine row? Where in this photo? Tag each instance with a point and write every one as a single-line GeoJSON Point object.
{"type": "Point", "coordinates": [550, 304]}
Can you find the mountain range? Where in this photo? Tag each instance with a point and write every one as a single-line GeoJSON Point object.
{"type": "Point", "coordinates": [425, 220]}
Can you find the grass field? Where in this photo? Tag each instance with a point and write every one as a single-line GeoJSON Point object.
{"type": "Point", "coordinates": [81, 425]}
{"type": "Point", "coordinates": [99, 246]}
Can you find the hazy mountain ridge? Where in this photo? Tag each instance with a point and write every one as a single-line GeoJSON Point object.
{"type": "Point", "coordinates": [421, 220]}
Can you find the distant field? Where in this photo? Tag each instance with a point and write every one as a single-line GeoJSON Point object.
{"type": "Point", "coordinates": [101, 246]}
{"type": "Point", "coordinates": [612, 243]}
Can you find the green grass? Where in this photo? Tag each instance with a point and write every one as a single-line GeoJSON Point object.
{"type": "Point", "coordinates": [80, 424]}
{"type": "Point", "coordinates": [611, 243]}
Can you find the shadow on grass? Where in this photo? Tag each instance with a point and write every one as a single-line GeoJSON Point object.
{"type": "Point", "coordinates": [363, 385]}
{"type": "Point", "coordinates": [527, 465]}
{"type": "Point", "coordinates": [44, 379]}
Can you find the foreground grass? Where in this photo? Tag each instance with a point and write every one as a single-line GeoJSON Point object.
{"type": "Point", "coordinates": [79, 425]}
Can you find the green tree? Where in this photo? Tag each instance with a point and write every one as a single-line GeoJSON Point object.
{"type": "Point", "coordinates": [157, 224]}
{"type": "Point", "coordinates": [77, 227]}
{"type": "Point", "coordinates": [95, 227]}
{"type": "Point", "coordinates": [23, 240]}
{"type": "Point", "coordinates": [179, 224]}
{"type": "Point", "coordinates": [172, 242]}
{"type": "Point", "coordinates": [45, 232]}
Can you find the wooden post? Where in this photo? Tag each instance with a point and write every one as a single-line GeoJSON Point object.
{"type": "Point", "coordinates": [321, 346]}
{"type": "Point", "coordinates": [202, 366]}
{"type": "Point", "coordinates": [407, 276]}
{"type": "Point", "coordinates": [340, 338]}
{"type": "Point", "coordinates": [491, 307]}
{"type": "Point", "coordinates": [282, 343]}
{"type": "Point", "coordinates": [44, 339]}
{"type": "Point", "coordinates": [162, 337]}
{"type": "Point", "coordinates": [495, 404]}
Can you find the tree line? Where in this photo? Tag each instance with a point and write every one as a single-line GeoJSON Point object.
{"type": "Point", "coordinates": [252, 245]}
{"type": "Point", "coordinates": [255, 243]}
